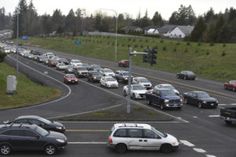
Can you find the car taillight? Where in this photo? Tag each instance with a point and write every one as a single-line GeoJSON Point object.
{"type": "Point", "coordinates": [109, 140]}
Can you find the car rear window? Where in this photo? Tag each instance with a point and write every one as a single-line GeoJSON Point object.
{"type": "Point", "coordinates": [120, 133]}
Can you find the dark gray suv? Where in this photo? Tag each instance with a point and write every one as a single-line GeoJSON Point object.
{"type": "Point", "coordinates": [23, 137]}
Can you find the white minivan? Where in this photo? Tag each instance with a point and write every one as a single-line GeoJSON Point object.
{"type": "Point", "coordinates": [132, 136]}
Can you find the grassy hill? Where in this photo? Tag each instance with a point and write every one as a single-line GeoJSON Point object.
{"type": "Point", "coordinates": [28, 92]}
{"type": "Point", "coordinates": [212, 61]}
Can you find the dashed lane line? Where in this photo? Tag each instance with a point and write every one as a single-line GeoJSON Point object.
{"type": "Point", "coordinates": [199, 150]}
{"type": "Point", "coordinates": [187, 143]}
{"type": "Point", "coordinates": [208, 155]}
{"type": "Point", "coordinates": [214, 116]}
{"type": "Point", "coordinates": [87, 143]}
{"type": "Point", "coordinates": [112, 122]}
{"type": "Point", "coordinates": [87, 130]}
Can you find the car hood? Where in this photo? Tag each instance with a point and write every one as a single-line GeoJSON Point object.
{"type": "Point", "coordinates": [112, 82]}
{"type": "Point", "coordinates": [140, 91]}
{"type": "Point", "coordinates": [208, 99]}
{"type": "Point", "coordinates": [56, 124]}
{"type": "Point", "coordinates": [172, 97]}
{"type": "Point", "coordinates": [58, 135]}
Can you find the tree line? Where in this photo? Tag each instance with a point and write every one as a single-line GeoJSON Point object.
{"type": "Point", "coordinates": [210, 27]}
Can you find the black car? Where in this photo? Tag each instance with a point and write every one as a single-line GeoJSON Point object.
{"type": "Point", "coordinates": [200, 99]}
{"type": "Point", "coordinates": [23, 137]}
{"type": "Point", "coordinates": [94, 76]}
{"type": "Point", "coordinates": [42, 122]}
{"type": "Point", "coordinates": [186, 75]}
{"type": "Point", "coordinates": [122, 76]}
{"type": "Point", "coordinates": [70, 69]}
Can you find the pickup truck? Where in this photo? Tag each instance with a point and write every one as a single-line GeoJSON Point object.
{"type": "Point", "coordinates": [164, 98]}
{"type": "Point", "coordinates": [228, 114]}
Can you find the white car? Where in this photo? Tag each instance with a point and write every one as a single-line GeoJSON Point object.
{"type": "Point", "coordinates": [61, 66]}
{"type": "Point", "coordinates": [133, 136]}
{"type": "Point", "coordinates": [75, 63]}
{"type": "Point", "coordinates": [142, 81]}
{"type": "Point", "coordinates": [167, 86]}
{"type": "Point", "coordinates": [107, 72]}
{"type": "Point", "coordinates": [109, 82]}
{"type": "Point", "coordinates": [137, 91]}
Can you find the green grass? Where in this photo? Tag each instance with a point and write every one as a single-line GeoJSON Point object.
{"type": "Point", "coordinates": [118, 113]}
{"type": "Point", "coordinates": [212, 61]}
{"type": "Point", "coordinates": [28, 92]}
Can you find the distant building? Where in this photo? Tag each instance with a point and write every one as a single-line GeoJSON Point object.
{"type": "Point", "coordinates": [151, 31]}
{"type": "Point", "coordinates": [180, 32]}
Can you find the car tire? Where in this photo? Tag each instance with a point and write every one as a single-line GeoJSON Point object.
{"type": "Point", "coordinates": [185, 101]}
{"type": "Point", "coordinates": [50, 149]}
{"type": "Point", "coordinates": [133, 97]}
{"type": "Point", "coordinates": [228, 122]}
{"type": "Point", "coordinates": [161, 107]}
{"type": "Point", "coordinates": [199, 105]}
{"type": "Point", "coordinates": [124, 93]}
{"type": "Point", "coordinates": [166, 148]}
{"type": "Point", "coordinates": [5, 149]}
{"type": "Point", "coordinates": [121, 148]}
{"type": "Point", "coordinates": [185, 77]}
{"type": "Point", "coordinates": [234, 89]}
{"type": "Point", "coordinates": [149, 102]}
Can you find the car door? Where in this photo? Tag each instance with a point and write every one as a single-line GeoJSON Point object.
{"type": "Point", "coordinates": [135, 138]}
{"type": "Point", "coordinates": [32, 141]}
{"type": "Point", "coordinates": [151, 141]}
{"type": "Point", "coordinates": [15, 138]}
{"type": "Point", "coordinates": [195, 99]}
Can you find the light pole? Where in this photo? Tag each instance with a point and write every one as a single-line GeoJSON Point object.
{"type": "Point", "coordinates": [17, 39]}
{"type": "Point", "coordinates": [131, 53]}
{"type": "Point", "coordinates": [116, 14]}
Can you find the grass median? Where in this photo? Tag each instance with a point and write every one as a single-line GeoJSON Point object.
{"type": "Point", "coordinates": [118, 113]}
{"type": "Point", "coordinates": [27, 92]}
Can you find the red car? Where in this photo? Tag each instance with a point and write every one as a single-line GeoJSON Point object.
{"type": "Point", "coordinates": [70, 79]}
{"type": "Point", "coordinates": [123, 63]}
{"type": "Point", "coordinates": [231, 85]}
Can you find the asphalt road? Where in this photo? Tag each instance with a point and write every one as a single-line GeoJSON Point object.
{"type": "Point", "coordinates": [205, 133]}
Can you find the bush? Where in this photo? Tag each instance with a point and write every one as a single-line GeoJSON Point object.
{"type": "Point", "coordinates": [188, 43]}
{"type": "Point", "coordinates": [224, 45]}
{"type": "Point", "coordinates": [223, 54]}
{"type": "Point", "coordinates": [212, 44]}
{"type": "Point", "coordinates": [2, 56]}
{"type": "Point", "coordinates": [164, 48]}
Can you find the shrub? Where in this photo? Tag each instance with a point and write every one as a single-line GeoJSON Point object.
{"type": "Point", "coordinates": [161, 41]}
{"type": "Point", "coordinates": [174, 49]}
{"type": "Point", "coordinates": [199, 44]}
{"type": "Point", "coordinates": [2, 56]}
{"type": "Point", "coordinates": [207, 53]}
{"type": "Point", "coordinates": [224, 45]}
{"type": "Point", "coordinates": [212, 44]}
{"type": "Point", "coordinates": [188, 43]}
{"type": "Point", "coordinates": [164, 48]}
{"type": "Point", "coordinates": [186, 50]}
{"type": "Point", "coordinates": [223, 54]}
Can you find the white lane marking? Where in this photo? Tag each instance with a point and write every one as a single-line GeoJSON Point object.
{"type": "Point", "coordinates": [210, 155]}
{"type": "Point", "coordinates": [110, 92]}
{"type": "Point", "coordinates": [187, 143]}
{"type": "Point", "coordinates": [199, 150]}
{"type": "Point", "coordinates": [214, 116]}
{"type": "Point", "coordinates": [232, 104]}
{"type": "Point", "coordinates": [86, 130]}
{"type": "Point", "coordinates": [53, 101]}
{"type": "Point", "coordinates": [195, 117]}
{"type": "Point", "coordinates": [112, 122]}
{"type": "Point", "coordinates": [221, 104]}
{"type": "Point", "coordinates": [98, 143]}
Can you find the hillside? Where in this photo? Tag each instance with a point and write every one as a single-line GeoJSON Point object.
{"type": "Point", "coordinates": [212, 61]}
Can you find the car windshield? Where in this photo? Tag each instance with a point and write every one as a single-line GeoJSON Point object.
{"type": "Point", "coordinates": [202, 95]}
{"type": "Point", "coordinates": [143, 80]}
{"type": "Point", "coordinates": [125, 74]}
{"type": "Point", "coordinates": [232, 82]}
{"type": "Point", "coordinates": [138, 87]}
{"type": "Point", "coordinates": [166, 86]}
{"type": "Point", "coordinates": [110, 79]}
{"type": "Point", "coordinates": [159, 132]}
{"type": "Point", "coordinates": [41, 131]}
{"type": "Point", "coordinates": [107, 70]}
{"type": "Point", "coordinates": [44, 120]}
{"type": "Point", "coordinates": [168, 93]}
{"type": "Point", "coordinates": [75, 61]}
{"type": "Point", "coordinates": [70, 75]}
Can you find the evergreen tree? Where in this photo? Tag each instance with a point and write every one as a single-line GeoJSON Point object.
{"type": "Point", "coordinates": [157, 19]}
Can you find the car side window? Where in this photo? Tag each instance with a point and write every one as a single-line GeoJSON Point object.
{"type": "Point", "coordinates": [150, 134]}
{"type": "Point", "coordinates": [29, 133]}
{"type": "Point", "coordinates": [120, 133]}
{"type": "Point", "coordinates": [21, 121]}
{"type": "Point", "coordinates": [135, 133]}
{"type": "Point", "coordinates": [13, 133]}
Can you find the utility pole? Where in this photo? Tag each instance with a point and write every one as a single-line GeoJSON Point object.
{"type": "Point", "coordinates": [17, 40]}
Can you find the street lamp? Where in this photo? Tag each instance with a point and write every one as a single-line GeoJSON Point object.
{"type": "Point", "coordinates": [17, 39]}
{"type": "Point", "coordinates": [116, 14]}
{"type": "Point", "coordinates": [131, 53]}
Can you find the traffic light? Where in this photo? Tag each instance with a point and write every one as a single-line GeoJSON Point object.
{"type": "Point", "coordinates": [153, 57]}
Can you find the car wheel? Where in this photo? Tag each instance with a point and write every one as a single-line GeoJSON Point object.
{"type": "Point", "coordinates": [121, 148]}
{"type": "Point", "coordinates": [228, 122]}
{"type": "Point", "coordinates": [199, 105]}
{"type": "Point", "coordinates": [149, 102]}
{"type": "Point", "coordinates": [166, 148]}
{"type": "Point", "coordinates": [133, 96]}
{"type": "Point", "coordinates": [234, 89]}
{"type": "Point", "coordinates": [5, 149]}
{"type": "Point", "coordinates": [161, 107]}
{"type": "Point", "coordinates": [124, 93]}
{"type": "Point", "coordinates": [185, 77]}
{"type": "Point", "coordinates": [50, 149]}
{"type": "Point", "coordinates": [185, 101]}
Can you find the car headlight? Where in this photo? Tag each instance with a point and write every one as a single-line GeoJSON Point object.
{"type": "Point", "coordinates": [59, 127]}
{"type": "Point", "coordinates": [181, 100]}
{"type": "Point", "coordinates": [94, 77]}
{"type": "Point", "coordinates": [60, 140]}
{"type": "Point", "coordinates": [204, 102]}
{"type": "Point", "coordinates": [166, 100]}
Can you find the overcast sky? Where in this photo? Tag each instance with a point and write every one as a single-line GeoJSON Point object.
{"type": "Point", "coordinates": [132, 7]}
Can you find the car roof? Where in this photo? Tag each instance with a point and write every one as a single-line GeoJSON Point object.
{"type": "Point", "coordinates": [29, 117]}
{"type": "Point", "coordinates": [140, 78]}
{"type": "Point", "coordinates": [132, 125]}
{"type": "Point", "coordinates": [164, 85]}
{"type": "Point", "coordinates": [14, 125]}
